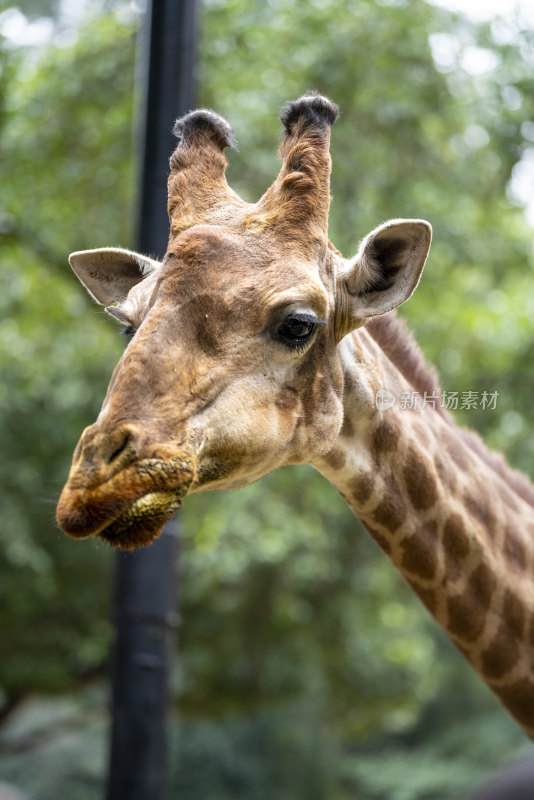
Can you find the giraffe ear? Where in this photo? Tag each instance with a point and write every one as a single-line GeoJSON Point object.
{"type": "Point", "coordinates": [386, 269]}
{"type": "Point", "coordinates": [109, 273]}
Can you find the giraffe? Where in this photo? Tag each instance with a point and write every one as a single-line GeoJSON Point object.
{"type": "Point", "coordinates": [255, 344]}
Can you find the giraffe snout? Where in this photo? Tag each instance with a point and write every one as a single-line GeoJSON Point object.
{"type": "Point", "coordinates": [123, 485]}
{"type": "Point", "coordinates": [88, 499]}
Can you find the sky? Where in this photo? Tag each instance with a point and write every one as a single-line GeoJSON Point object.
{"type": "Point", "coordinates": [482, 10]}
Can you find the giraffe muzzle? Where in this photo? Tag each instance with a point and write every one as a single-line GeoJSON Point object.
{"type": "Point", "coordinates": [127, 503]}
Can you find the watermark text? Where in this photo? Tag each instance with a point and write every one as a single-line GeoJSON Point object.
{"type": "Point", "coordinates": [452, 401]}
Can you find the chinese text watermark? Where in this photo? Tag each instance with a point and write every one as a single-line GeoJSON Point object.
{"type": "Point", "coordinates": [452, 401]}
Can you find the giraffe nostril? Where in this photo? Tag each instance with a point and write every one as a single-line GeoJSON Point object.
{"type": "Point", "coordinates": [121, 448]}
{"type": "Point", "coordinates": [102, 453]}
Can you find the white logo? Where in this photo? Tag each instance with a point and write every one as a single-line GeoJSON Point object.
{"type": "Point", "coordinates": [384, 399]}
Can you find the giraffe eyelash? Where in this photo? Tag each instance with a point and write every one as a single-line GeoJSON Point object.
{"type": "Point", "coordinates": [292, 338]}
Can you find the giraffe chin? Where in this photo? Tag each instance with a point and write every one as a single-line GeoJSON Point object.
{"type": "Point", "coordinates": [142, 522]}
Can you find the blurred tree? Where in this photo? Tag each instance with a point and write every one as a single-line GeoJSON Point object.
{"type": "Point", "coordinates": [285, 599]}
{"type": "Point", "coordinates": [65, 132]}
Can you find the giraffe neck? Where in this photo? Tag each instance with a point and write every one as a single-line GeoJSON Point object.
{"type": "Point", "coordinates": [457, 530]}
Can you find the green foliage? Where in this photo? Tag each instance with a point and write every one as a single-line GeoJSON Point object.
{"type": "Point", "coordinates": [298, 642]}
{"type": "Point", "coordinates": [57, 748]}
{"type": "Point", "coordinates": [61, 148]}
{"type": "Point", "coordinates": [284, 588]}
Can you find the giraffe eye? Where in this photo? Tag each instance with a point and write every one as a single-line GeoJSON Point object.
{"type": "Point", "coordinates": [297, 329]}
{"type": "Point", "coordinates": [128, 331]}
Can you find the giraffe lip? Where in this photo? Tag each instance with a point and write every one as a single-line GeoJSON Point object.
{"type": "Point", "coordinates": [136, 525]}
{"type": "Point", "coordinates": [143, 496]}
{"type": "Point", "coordinates": [142, 521]}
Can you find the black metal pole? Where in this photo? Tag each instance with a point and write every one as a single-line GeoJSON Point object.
{"type": "Point", "coordinates": [145, 581]}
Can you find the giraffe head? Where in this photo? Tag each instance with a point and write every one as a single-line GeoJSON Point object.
{"type": "Point", "coordinates": [232, 369]}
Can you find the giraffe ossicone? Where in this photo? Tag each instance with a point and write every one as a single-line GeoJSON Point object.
{"type": "Point", "coordinates": [255, 344]}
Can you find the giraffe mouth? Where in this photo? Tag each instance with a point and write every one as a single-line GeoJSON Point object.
{"type": "Point", "coordinates": [143, 521]}
{"type": "Point", "coordinates": [130, 509]}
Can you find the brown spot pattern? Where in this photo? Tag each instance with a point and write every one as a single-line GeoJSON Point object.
{"type": "Point", "coordinates": [336, 459]}
{"type": "Point", "coordinates": [384, 440]}
{"type": "Point", "coordinates": [420, 482]}
{"type": "Point", "coordinates": [514, 550]}
{"type": "Point", "coordinates": [514, 613]}
{"type": "Point", "coordinates": [419, 551]}
{"type": "Point", "coordinates": [467, 612]}
{"type": "Point", "coordinates": [456, 545]}
{"type": "Point", "coordinates": [479, 503]}
{"type": "Point", "coordinates": [361, 487]}
{"type": "Point", "coordinates": [392, 511]}
{"type": "Point", "coordinates": [501, 655]}
{"type": "Point", "coordinates": [483, 583]}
